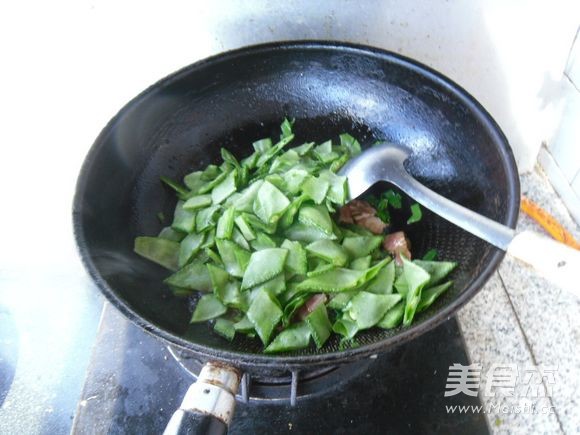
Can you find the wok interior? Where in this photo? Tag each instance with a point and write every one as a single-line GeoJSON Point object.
{"type": "Point", "coordinates": [180, 124]}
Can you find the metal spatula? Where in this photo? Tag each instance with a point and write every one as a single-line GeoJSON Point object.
{"type": "Point", "coordinates": [385, 162]}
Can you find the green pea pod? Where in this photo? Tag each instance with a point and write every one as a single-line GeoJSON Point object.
{"type": "Point", "coordinates": [258, 225]}
{"type": "Point", "coordinates": [393, 317]}
{"type": "Point", "coordinates": [268, 154]}
{"type": "Point", "coordinates": [181, 191]}
{"type": "Point", "coordinates": [284, 162]}
{"type": "Point", "coordinates": [401, 284]}
{"type": "Point", "coordinates": [338, 164]}
{"type": "Point", "coordinates": [340, 279]}
{"type": "Point", "coordinates": [209, 241]}
{"type": "Point", "coordinates": [294, 179]}
{"type": "Point", "coordinates": [335, 280]}
{"type": "Point", "coordinates": [337, 186]}
{"type": "Point", "coordinates": [199, 201]}
{"type": "Point", "coordinates": [245, 202]}
{"type": "Point", "coordinates": [262, 241]}
{"type": "Point", "coordinates": [208, 187]}
{"type": "Point", "coordinates": [346, 327]}
{"type": "Point", "coordinates": [277, 181]}
{"type": "Point", "coordinates": [238, 238]}
{"type": "Point", "coordinates": [430, 255]}
{"type": "Point", "coordinates": [294, 337]}
{"type": "Point", "coordinates": [194, 181]}
{"type": "Point", "coordinates": [183, 220]}
{"type": "Point", "coordinates": [292, 305]}
{"type": "Point", "coordinates": [291, 292]}
{"type": "Point", "coordinates": [320, 326]}
{"type": "Point", "coordinates": [189, 247]}
{"type": "Point", "coordinates": [307, 233]}
{"type": "Point", "coordinates": [428, 296]}
{"type": "Point", "coordinates": [329, 251]}
{"type": "Point", "coordinates": [206, 218]}
{"type": "Point", "coordinates": [208, 307]}
{"type": "Point", "coordinates": [367, 309]}
{"type": "Point", "coordinates": [361, 263]}
{"type": "Point", "coordinates": [225, 224]}
{"type": "Point", "coordinates": [219, 278]}
{"type": "Point", "coordinates": [274, 285]}
{"type": "Point", "coordinates": [244, 228]}
{"type": "Point", "coordinates": [225, 328]}
{"type": "Point", "coordinates": [262, 145]}
{"type": "Point", "coordinates": [296, 260]}
{"type": "Point", "coordinates": [304, 148]}
{"type": "Point", "coordinates": [437, 269]}
{"type": "Point", "coordinates": [225, 188]}
{"type": "Point", "coordinates": [169, 233]}
{"type": "Point", "coordinates": [194, 276]}
{"type": "Point", "coordinates": [270, 203]}
{"type": "Point", "coordinates": [315, 189]}
{"type": "Point", "coordinates": [361, 246]}
{"type": "Point", "coordinates": [244, 325]}
{"type": "Point", "coordinates": [350, 144]}
{"type": "Point", "coordinates": [324, 152]}
{"type": "Point", "coordinates": [416, 278]}
{"type": "Point", "coordinates": [316, 216]}
{"type": "Point", "coordinates": [235, 258]}
{"type": "Point", "coordinates": [210, 173]}
{"type": "Point", "coordinates": [340, 300]}
{"type": "Point", "coordinates": [213, 256]}
{"type": "Point", "coordinates": [265, 314]}
{"type": "Point", "coordinates": [383, 282]}
{"type": "Point", "coordinates": [319, 269]}
{"type": "Point", "coordinates": [161, 251]}
{"type": "Point", "coordinates": [231, 296]}
{"type": "Point", "coordinates": [264, 265]}
{"type": "Point", "coordinates": [181, 292]}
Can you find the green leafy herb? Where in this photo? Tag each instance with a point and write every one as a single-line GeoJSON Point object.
{"type": "Point", "coordinates": [394, 199]}
{"type": "Point", "coordinates": [430, 255]}
{"type": "Point", "coordinates": [416, 214]}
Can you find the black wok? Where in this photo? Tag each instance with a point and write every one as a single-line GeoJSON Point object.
{"type": "Point", "coordinates": [230, 100]}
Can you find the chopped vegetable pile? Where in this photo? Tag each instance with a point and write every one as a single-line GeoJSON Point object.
{"type": "Point", "coordinates": [276, 252]}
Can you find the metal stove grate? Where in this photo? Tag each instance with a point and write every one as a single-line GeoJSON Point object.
{"type": "Point", "coordinates": [290, 386]}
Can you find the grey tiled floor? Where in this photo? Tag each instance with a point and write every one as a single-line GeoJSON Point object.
{"type": "Point", "coordinates": [520, 318]}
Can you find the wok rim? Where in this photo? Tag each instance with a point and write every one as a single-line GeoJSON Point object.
{"type": "Point", "coordinates": [297, 361]}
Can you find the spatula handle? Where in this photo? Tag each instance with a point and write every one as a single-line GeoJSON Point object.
{"type": "Point", "coordinates": [483, 227]}
{"type": "Point", "coordinates": [554, 260]}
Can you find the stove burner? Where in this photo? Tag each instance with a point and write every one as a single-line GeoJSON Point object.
{"type": "Point", "coordinates": [287, 386]}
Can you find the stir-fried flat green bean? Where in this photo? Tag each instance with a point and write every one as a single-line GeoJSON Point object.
{"type": "Point", "coordinates": [258, 236]}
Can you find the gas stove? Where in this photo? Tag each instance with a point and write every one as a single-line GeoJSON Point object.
{"type": "Point", "coordinates": [135, 382]}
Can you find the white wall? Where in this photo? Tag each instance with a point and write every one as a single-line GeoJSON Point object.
{"type": "Point", "coordinates": [561, 156]}
{"type": "Point", "coordinates": [508, 54]}
{"type": "Point", "coordinates": [69, 66]}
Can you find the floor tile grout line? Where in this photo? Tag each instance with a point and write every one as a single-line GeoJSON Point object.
{"type": "Point", "coordinates": [529, 346]}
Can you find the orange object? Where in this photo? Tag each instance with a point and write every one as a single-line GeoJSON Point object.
{"type": "Point", "coordinates": [549, 222]}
